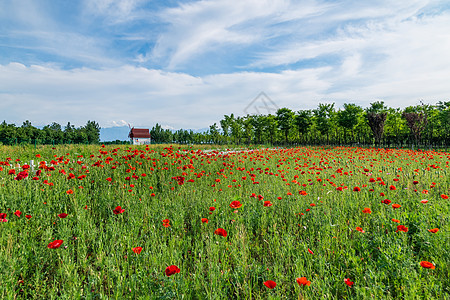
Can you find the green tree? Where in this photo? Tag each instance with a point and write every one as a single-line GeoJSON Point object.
{"type": "Point", "coordinates": [303, 121]}
{"type": "Point", "coordinates": [348, 118]}
{"type": "Point", "coordinates": [285, 119]}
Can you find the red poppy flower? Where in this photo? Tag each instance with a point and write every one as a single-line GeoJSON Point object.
{"type": "Point", "coordinates": [303, 193]}
{"type": "Point", "coordinates": [170, 270]}
{"type": "Point", "coordinates": [166, 223]}
{"type": "Point", "coordinates": [359, 229]}
{"type": "Point", "coordinates": [396, 205]}
{"type": "Point", "coordinates": [367, 210]}
{"type": "Point", "coordinates": [395, 220]}
{"type": "Point", "coordinates": [267, 203]}
{"type": "Point", "coordinates": [339, 188]}
{"type": "Point", "coordinates": [55, 244]}
{"type": "Point", "coordinates": [427, 265]}
{"type": "Point", "coordinates": [392, 188]}
{"type": "Point", "coordinates": [348, 282]}
{"type": "Point", "coordinates": [235, 204]}
{"type": "Point", "coordinates": [424, 201]}
{"type": "Point", "coordinates": [443, 196]}
{"type": "Point", "coordinates": [310, 251]}
{"type": "Point", "coordinates": [303, 281]}
{"type": "Point", "coordinates": [386, 201]}
{"type": "Point", "coordinates": [137, 250]}
{"type": "Point", "coordinates": [402, 228]}
{"type": "Point", "coordinates": [221, 232]}
{"type": "Point", "coordinates": [118, 210]}
{"type": "Point", "coordinates": [205, 220]}
{"type": "Point", "coordinates": [3, 217]}
{"type": "Point", "coordinates": [69, 192]}
{"type": "Point", "coordinates": [28, 216]}
{"type": "Point", "coordinates": [62, 215]}
{"type": "Point", "coordinates": [415, 182]}
{"type": "Point", "coordinates": [270, 284]}
{"type": "Point", "coordinates": [356, 189]}
{"type": "Point", "coordinates": [212, 208]}
{"type": "Point", "coordinates": [434, 230]}
{"type": "Point", "coordinates": [18, 213]}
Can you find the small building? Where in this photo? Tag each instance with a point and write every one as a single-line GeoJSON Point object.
{"type": "Point", "coordinates": [140, 136]}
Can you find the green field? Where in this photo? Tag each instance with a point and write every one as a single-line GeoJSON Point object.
{"type": "Point", "coordinates": [180, 222]}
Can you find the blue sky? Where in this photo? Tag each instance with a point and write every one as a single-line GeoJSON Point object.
{"type": "Point", "coordinates": [185, 64]}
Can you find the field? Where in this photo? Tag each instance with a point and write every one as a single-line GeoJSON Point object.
{"type": "Point", "coordinates": [121, 222]}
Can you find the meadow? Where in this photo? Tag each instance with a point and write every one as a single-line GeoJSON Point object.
{"type": "Point", "coordinates": [180, 222]}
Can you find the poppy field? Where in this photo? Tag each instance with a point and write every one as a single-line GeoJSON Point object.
{"type": "Point", "coordinates": [125, 222]}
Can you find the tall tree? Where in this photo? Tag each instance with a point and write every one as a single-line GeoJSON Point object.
{"type": "Point", "coordinates": [348, 118]}
{"type": "Point", "coordinates": [285, 119]}
{"type": "Point", "coordinates": [303, 121]}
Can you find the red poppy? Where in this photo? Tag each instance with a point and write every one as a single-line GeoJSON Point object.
{"type": "Point", "coordinates": [267, 203]}
{"type": "Point", "coordinates": [270, 284]}
{"type": "Point", "coordinates": [356, 189]}
{"type": "Point", "coordinates": [303, 193]}
{"type": "Point", "coordinates": [3, 217]}
{"type": "Point", "coordinates": [415, 182]}
{"type": "Point", "coordinates": [118, 210]}
{"type": "Point", "coordinates": [427, 265]}
{"type": "Point", "coordinates": [55, 244]}
{"type": "Point", "coordinates": [396, 205]}
{"type": "Point", "coordinates": [310, 251]}
{"type": "Point", "coordinates": [386, 201]}
{"type": "Point", "coordinates": [359, 229]}
{"type": "Point", "coordinates": [205, 220]}
{"type": "Point", "coordinates": [166, 223]}
{"type": "Point", "coordinates": [434, 230]}
{"type": "Point", "coordinates": [303, 281]}
{"type": "Point", "coordinates": [424, 201]}
{"type": "Point", "coordinates": [443, 196]}
{"type": "Point", "coordinates": [28, 216]}
{"type": "Point", "coordinates": [69, 192]}
{"type": "Point", "coordinates": [170, 270]}
{"type": "Point", "coordinates": [339, 188]}
{"type": "Point", "coordinates": [137, 250]}
{"type": "Point", "coordinates": [18, 213]}
{"type": "Point", "coordinates": [395, 220]}
{"type": "Point", "coordinates": [392, 188]}
{"type": "Point", "coordinates": [235, 204]}
{"type": "Point", "coordinates": [402, 228]}
{"type": "Point", "coordinates": [348, 282]}
{"type": "Point", "coordinates": [62, 215]}
{"type": "Point", "coordinates": [367, 210]}
{"type": "Point", "coordinates": [221, 232]}
{"type": "Point", "coordinates": [212, 208]}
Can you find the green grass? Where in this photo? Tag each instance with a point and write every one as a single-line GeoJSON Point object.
{"type": "Point", "coordinates": [96, 260]}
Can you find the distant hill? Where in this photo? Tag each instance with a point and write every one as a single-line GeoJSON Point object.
{"type": "Point", "coordinates": [114, 133]}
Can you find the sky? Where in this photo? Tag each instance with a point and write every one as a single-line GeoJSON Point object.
{"type": "Point", "coordinates": [186, 64]}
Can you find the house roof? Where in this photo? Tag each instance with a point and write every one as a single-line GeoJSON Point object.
{"type": "Point", "coordinates": [139, 133]}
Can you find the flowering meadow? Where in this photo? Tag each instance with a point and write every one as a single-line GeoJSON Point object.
{"type": "Point", "coordinates": [125, 222]}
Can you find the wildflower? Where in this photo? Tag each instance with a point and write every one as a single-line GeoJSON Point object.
{"type": "Point", "coordinates": [69, 192]}
{"type": "Point", "coordinates": [205, 220]}
{"type": "Point", "coordinates": [137, 250]}
{"type": "Point", "coordinates": [443, 196]}
{"type": "Point", "coordinates": [235, 204]}
{"type": "Point", "coordinates": [356, 189]}
{"type": "Point", "coordinates": [310, 251]}
{"type": "Point", "coordinates": [267, 203]}
{"type": "Point", "coordinates": [18, 213]}
{"type": "Point", "coordinates": [392, 188]}
{"type": "Point", "coordinates": [386, 201]}
{"type": "Point", "coordinates": [221, 232]}
{"type": "Point", "coordinates": [270, 284]}
{"type": "Point", "coordinates": [118, 210]}
{"type": "Point", "coordinates": [367, 210]}
{"type": "Point", "coordinates": [62, 215]}
{"type": "Point", "coordinates": [348, 282]}
{"type": "Point", "coordinates": [395, 220]}
{"type": "Point", "coordinates": [55, 244]}
{"type": "Point", "coordinates": [394, 206]}
{"type": "Point", "coordinates": [434, 230]}
{"type": "Point", "coordinates": [303, 281]}
{"type": "Point", "coordinates": [28, 216]}
{"type": "Point", "coordinates": [3, 217]}
{"type": "Point", "coordinates": [424, 201]}
{"type": "Point", "coordinates": [359, 229]}
{"type": "Point", "coordinates": [427, 265]}
{"type": "Point", "coordinates": [402, 228]}
{"type": "Point", "coordinates": [166, 223]}
{"type": "Point", "coordinates": [170, 270]}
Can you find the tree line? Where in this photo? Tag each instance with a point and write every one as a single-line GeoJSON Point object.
{"type": "Point", "coordinates": [50, 134]}
{"type": "Point", "coordinates": [351, 125]}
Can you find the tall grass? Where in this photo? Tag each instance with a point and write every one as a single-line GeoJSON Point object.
{"type": "Point", "coordinates": [311, 235]}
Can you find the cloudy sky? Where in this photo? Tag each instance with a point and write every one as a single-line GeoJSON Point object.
{"type": "Point", "coordinates": [185, 64]}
